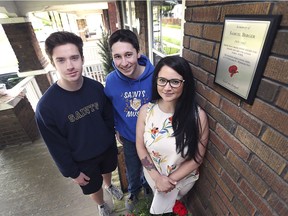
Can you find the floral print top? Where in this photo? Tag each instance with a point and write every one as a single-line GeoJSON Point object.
{"type": "Point", "coordinates": [159, 141]}
{"type": "Point", "coordinates": [161, 146]}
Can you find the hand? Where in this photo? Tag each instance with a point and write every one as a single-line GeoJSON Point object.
{"type": "Point", "coordinates": [165, 184]}
{"type": "Point", "coordinates": [82, 179]}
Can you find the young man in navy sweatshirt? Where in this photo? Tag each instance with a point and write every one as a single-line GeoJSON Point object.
{"type": "Point", "coordinates": [76, 122]}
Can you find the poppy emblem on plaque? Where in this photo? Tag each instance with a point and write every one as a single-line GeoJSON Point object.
{"type": "Point", "coordinates": [135, 103]}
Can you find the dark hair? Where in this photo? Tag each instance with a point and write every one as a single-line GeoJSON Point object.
{"type": "Point", "coordinates": [185, 120]}
{"type": "Point", "coordinates": [124, 35]}
{"type": "Point", "coordinates": [61, 38]}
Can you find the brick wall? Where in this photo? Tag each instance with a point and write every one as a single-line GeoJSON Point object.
{"type": "Point", "coordinates": [113, 15]}
{"type": "Point", "coordinates": [27, 50]}
{"type": "Point", "coordinates": [245, 167]}
{"type": "Point", "coordinates": [17, 124]}
{"type": "Point", "coordinates": [23, 40]}
{"type": "Point", "coordinates": [141, 14]}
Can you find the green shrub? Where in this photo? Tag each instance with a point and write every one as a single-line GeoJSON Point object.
{"type": "Point", "coordinates": [105, 53]}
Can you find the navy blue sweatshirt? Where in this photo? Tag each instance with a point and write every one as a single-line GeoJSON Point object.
{"type": "Point", "coordinates": [75, 125]}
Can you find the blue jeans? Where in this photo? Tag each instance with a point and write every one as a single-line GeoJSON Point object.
{"type": "Point", "coordinates": [134, 169]}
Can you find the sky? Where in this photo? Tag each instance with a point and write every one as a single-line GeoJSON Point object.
{"type": "Point", "coordinates": [8, 61]}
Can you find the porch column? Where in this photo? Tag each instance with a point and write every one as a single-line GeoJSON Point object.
{"type": "Point", "coordinates": [141, 14]}
{"type": "Point", "coordinates": [18, 125]}
{"type": "Point", "coordinates": [27, 50]}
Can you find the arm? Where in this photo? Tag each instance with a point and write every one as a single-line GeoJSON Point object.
{"type": "Point", "coordinates": [189, 166]}
{"type": "Point", "coordinates": [56, 143]}
{"type": "Point", "coordinates": [107, 93]}
{"type": "Point", "coordinates": [162, 183]}
{"type": "Point", "coordinates": [108, 112]}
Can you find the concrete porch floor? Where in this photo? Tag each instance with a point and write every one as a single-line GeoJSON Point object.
{"type": "Point", "coordinates": [30, 184]}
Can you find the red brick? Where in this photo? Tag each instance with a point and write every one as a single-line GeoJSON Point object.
{"type": "Point", "coordinates": [112, 10]}
{"type": "Point", "coordinates": [212, 32]}
{"type": "Point", "coordinates": [247, 131]}
{"type": "Point", "coordinates": [210, 95]}
{"type": "Point", "coordinates": [233, 143]}
{"type": "Point", "coordinates": [280, 45]}
{"type": "Point", "coordinates": [202, 103]}
{"type": "Point", "coordinates": [191, 56]}
{"type": "Point", "coordinates": [193, 29]}
{"type": "Point", "coordinates": [274, 181]}
{"type": "Point", "coordinates": [248, 8]}
{"type": "Point", "coordinates": [277, 204]}
{"type": "Point", "coordinates": [200, 74]}
{"type": "Point", "coordinates": [285, 176]}
{"type": "Point", "coordinates": [206, 14]}
{"type": "Point", "coordinates": [212, 123]}
{"type": "Point", "coordinates": [213, 162]}
{"type": "Point", "coordinates": [276, 69]}
{"type": "Point", "coordinates": [221, 118]}
{"type": "Point", "coordinates": [224, 162]}
{"type": "Point", "coordinates": [242, 117]}
{"type": "Point", "coordinates": [43, 81]}
{"type": "Point", "coordinates": [269, 157]}
{"type": "Point", "coordinates": [267, 90]}
{"type": "Point", "coordinates": [188, 14]}
{"type": "Point", "coordinates": [259, 202]}
{"type": "Point", "coordinates": [217, 205]}
{"type": "Point", "coordinates": [217, 1]}
{"type": "Point", "coordinates": [186, 41]}
{"type": "Point", "coordinates": [217, 141]}
{"type": "Point", "coordinates": [23, 40]}
{"type": "Point", "coordinates": [282, 100]}
{"type": "Point", "coordinates": [202, 46]}
{"type": "Point", "coordinates": [270, 115]}
{"type": "Point", "coordinates": [258, 184]}
{"type": "Point", "coordinates": [204, 187]}
{"type": "Point", "coordinates": [276, 141]}
{"type": "Point", "coordinates": [194, 204]}
{"type": "Point", "coordinates": [240, 202]}
{"type": "Point", "coordinates": [222, 184]}
{"type": "Point", "coordinates": [242, 208]}
{"type": "Point", "coordinates": [231, 97]}
{"type": "Point", "coordinates": [281, 8]}
{"type": "Point", "coordinates": [207, 178]}
{"type": "Point", "coordinates": [226, 202]}
{"type": "Point", "coordinates": [207, 64]}
{"type": "Point", "coordinates": [216, 51]}
{"type": "Point", "coordinates": [195, 3]}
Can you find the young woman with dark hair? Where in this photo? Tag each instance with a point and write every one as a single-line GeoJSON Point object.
{"type": "Point", "coordinates": [172, 133]}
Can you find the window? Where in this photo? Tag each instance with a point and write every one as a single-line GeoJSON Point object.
{"type": "Point", "coordinates": [129, 16]}
{"type": "Point", "coordinates": [167, 32]}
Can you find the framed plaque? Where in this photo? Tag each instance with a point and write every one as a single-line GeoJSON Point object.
{"type": "Point", "coordinates": [244, 50]}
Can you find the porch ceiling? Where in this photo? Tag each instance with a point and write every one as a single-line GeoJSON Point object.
{"type": "Point", "coordinates": [78, 8]}
{"type": "Point", "coordinates": [21, 8]}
